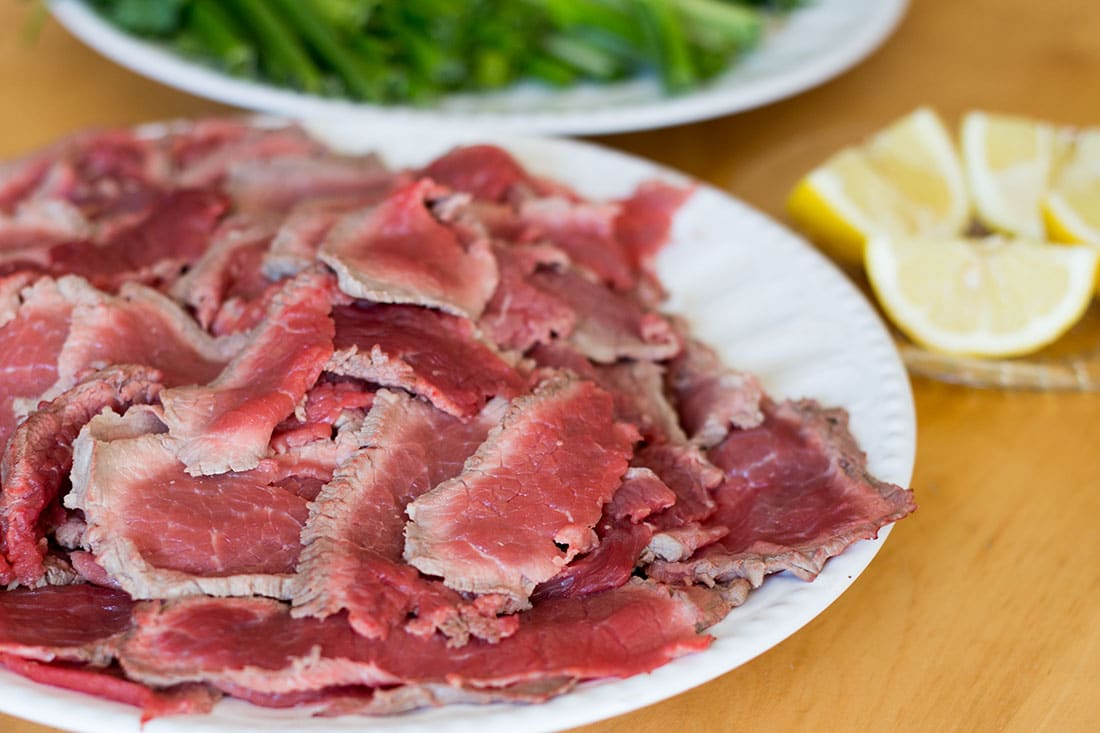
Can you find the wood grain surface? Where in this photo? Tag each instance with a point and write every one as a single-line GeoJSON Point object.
{"type": "Point", "coordinates": [982, 611]}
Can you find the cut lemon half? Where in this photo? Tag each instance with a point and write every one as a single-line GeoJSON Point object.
{"type": "Point", "coordinates": [1071, 209]}
{"type": "Point", "coordinates": [982, 297]}
{"type": "Point", "coordinates": [1009, 164]}
{"type": "Point", "coordinates": [905, 180]}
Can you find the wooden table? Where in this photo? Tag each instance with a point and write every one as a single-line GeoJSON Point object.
{"type": "Point", "coordinates": [982, 612]}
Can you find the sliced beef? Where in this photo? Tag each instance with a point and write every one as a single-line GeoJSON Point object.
{"type": "Point", "coordinates": [226, 425]}
{"type": "Point", "coordinates": [11, 288]}
{"type": "Point", "coordinates": [520, 315]}
{"type": "Point", "coordinates": [586, 232]}
{"type": "Point", "coordinates": [485, 171]}
{"type": "Point", "coordinates": [37, 224]}
{"type": "Point", "coordinates": [139, 326]}
{"type": "Point", "coordinates": [688, 473]}
{"type": "Point", "coordinates": [640, 399]}
{"type": "Point", "coordinates": [644, 220]}
{"type": "Point", "coordinates": [110, 684]}
{"type": "Point", "coordinates": [398, 252]}
{"type": "Point", "coordinates": [230, 534]}
{"type": "Point", "coordinates": [796, 492]}
{"type": "Point", "coordinates": [29, 346]}
{"type": "Point", "coordinates": [230, 267]}
{"type": "Point", "coordinates": [641, 494]}
{"type": "Point", "coordinates": [623, 539]}
{"type": "Point", "coordinates": [610, 565]}
{"type": "Point", "coordinates": [256, 644]}
{"type": "Point", "coordinates": [206, 153]}
{"type": "Point", "coordinates": [355, 534]}
{"type": "Point", "coordinates": [75, 623]}
{"type": "Point", "coordinates": [433, 354]}
{"type": "Point", "coordinates": [38, 458]}
{"type": "Point", "coordinates": [363, 700]}
{"type": "Point", "coordinates": [85, 565]}
{"type": "Point", "coordinates": [325, 406]}
{"type": "Point", "coordinates": [609, 326]}
{"type": "Point", "coordinates": [680, 543]}
{"type": "Point", "coordinates": [294, 247]}
{"type": "Point", "coordinates": [711, 397]}
{"type": "Point", "coordinates": [279, 183]}
{"type": "Point", "coordinates": [527, 501]}
{"type": "Point", "coordinates": [20, 177]}
{"type": "Point", "coordinates": [174, 234]}
{"type": "Point", "coordinates": [237, 315]}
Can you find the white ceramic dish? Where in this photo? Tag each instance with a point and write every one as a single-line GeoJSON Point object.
{"type": "Point", "coordinates": [809, 47]}
{"type": "Point", "coordinates": [771, 304]}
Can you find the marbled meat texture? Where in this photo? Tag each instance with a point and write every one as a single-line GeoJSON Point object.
{"type": "Point", "coordinates": [73, 623]}
{"type": "Point", "coordinates": [712, 398]}
{"type": "Point", "coordinates": [174, 234]}
{"type": "Point", "coordinates": [528, 500]}
{"type": "Point", "coordinates": [139, 326]}
{"type": "Point", "coordinates": [796, 492]}
{"type": "Point", "coordinates": [29, 347]}
{"type": "Point", "coordinates": [255, 644]}
{"type": "Point", "coordinates": [429, 353]}
{"type": "Point", "coordinates": [398, 252]}
{"type": "Point", "coordinates": [608, 325]}
{"type": "Point", "coordinates": [39, 456]}
{"type": "Point", "coordinates": [355, 534]}
{"type": "Point", "coordinates": [161, 533]}
{"type": "Point", "coordinates": [520, 315]}
{"type": "Point", "coordinates": [226, 425]}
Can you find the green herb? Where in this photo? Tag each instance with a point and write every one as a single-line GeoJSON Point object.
{"type": "Point", "coordinates": [390, 51]}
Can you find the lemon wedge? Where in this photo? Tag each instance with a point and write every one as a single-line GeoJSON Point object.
{"type": "Point", "coordinates": [982, 297]}
{"type": "Point", "coordinates": [1071, 209]}
{"type": "Point", "coordinates": [1009, 164]}
{"type": "Point", "coordinates": [905, 180]}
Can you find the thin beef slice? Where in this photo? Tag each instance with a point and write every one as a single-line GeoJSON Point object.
{"type": "Point", "coordinates": [29, 346]}
{"type": "Point", "coordinates": [712, 398]}
{"type": "Point", "coordinates": [39, 456]}
{"type": "Point", "coordinates": [520, 315]}
{"type": "Point", "coordinates": [255, 644]}
{"type": "Point", "coordinates": [527, 501]}
{"type": "Point", "coordinates": [73, 623]}
{"type": "Point", "coordinates": [355, 534]}
{"type": "Point", "coordinates": [173, 235]}
{"type": "Point", "coordinates": [138, 326]}
{"type": "Point", "coordinates": [429, 353]}
{"type": "Point", "coordinates": [608, 326]}
{"type": "Point", "coordinates": [796, 492]}
{"type": "Point", "coordinates": [398, 252]}
{"type": "Point", "coordinates": [159, 532]}
{"type": "Point", "coordinates": [227, 424]}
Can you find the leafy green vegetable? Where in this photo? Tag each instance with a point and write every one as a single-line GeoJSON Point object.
{"type": "Point", "coordinates": [415, 50]}
{"type": "Point", "coordinates": [145, 17]}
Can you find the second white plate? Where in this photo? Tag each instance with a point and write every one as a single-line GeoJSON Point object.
{"type": "Point", "coordinates": [807, 48]}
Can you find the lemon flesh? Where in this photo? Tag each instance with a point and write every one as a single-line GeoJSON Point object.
{"type": "Point", "coordinates": [1071, 209]}
{"type": "Point", "coordinates": [988, 297]}
{"type": "Point", "coordinates": [905, 180]}
{"type": "Point", "coordinates": [1009, 165]}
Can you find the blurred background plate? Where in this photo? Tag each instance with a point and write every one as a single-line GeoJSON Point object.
{"type": "Point", "coordinates": [806, 48]}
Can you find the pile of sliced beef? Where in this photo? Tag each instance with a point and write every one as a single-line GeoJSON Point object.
{"type": "Point", "coordinates": [287, 426]}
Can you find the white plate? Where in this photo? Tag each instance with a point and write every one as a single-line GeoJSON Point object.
{"type": "Point", "coordinates": [771, 304]}
{"type": "Point", "coordinates": [809, 47]}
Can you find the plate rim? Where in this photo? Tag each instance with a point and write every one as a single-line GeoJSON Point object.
{"type": "Point", "coordinates": [148, 60]}
{"type": "Point", "coordinates": [39, 703]}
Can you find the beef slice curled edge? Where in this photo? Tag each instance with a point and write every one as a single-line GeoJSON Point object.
{"type": "Point", "coordinates": [527, 501]}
